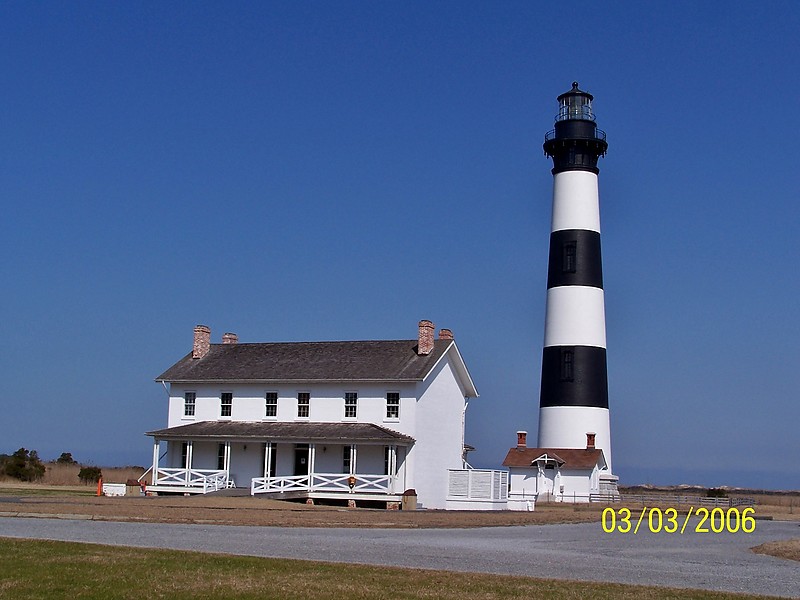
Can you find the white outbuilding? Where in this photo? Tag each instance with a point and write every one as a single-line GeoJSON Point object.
{"type": "Point", "coordinates": [556, 474]}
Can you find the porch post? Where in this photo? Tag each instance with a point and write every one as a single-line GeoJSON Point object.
{"type": "Point", "coordinates": [227, 459]}
{"type": "Point", "coordinates": [267, 459]}
{"type": "Point", "coordinates": [188, 465]}
{"type": "Point", "coordinates": [405, 469]}
{"type": "Point", "coordinates": [353, 451]}
{"type": "Point", "coordinates": [392, 467]}
{"type": "Point", "coordinates": [156, 449]}
{"type": "Point", "coordinates": [311, 455]}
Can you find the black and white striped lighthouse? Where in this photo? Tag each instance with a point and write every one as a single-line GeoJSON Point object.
{"type": "Point", "coordinates": [574, 388]}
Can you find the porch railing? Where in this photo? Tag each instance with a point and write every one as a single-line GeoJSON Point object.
{"type": "Point", "coordinates": [322, 482]}
{"type": "Point", "coordinates": [205, 479]}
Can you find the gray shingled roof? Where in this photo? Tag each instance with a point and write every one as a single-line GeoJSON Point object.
{"type": "Point", "coordinates": [275, 431]}
{"type": "Point", "coordinates": [393, 360]}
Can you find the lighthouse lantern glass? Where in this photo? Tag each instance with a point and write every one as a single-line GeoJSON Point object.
{"type": "Point", "coordinates": [575, 106]}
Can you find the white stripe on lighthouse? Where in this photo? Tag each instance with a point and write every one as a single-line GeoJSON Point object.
{"type": "Point", "coordinates": [567, 426]}
{"type": "Point", "coordinates": [575, 201]}
{"type": "Point", "coordinates": [575, 316]}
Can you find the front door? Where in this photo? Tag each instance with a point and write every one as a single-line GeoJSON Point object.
{"type": "Point", "coordinates": [301, 459]}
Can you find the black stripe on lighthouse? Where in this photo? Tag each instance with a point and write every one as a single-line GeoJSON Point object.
{"type": "Point", "coordinates": [574, 376]}
{"type": "Point", "coordinates": [575, 259]}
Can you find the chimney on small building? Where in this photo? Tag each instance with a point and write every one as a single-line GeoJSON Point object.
{"type": "Point", "coordinates": [445, 334]}
{"type": "Point", "coordinates": [230, 338]}
{"type": "Point", "coordinates": [425, 343]}
{"type": "Point", "coordinates": [522, 440]}
{"type": "Point", "coordinates": [590, 441]}
{"type": "Point", "coordinates": [202, 341]}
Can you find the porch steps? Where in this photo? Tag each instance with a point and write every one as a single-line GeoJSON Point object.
{"type": "Point", "coordinates": [291, 495]}
{"type": "Point", "coordinates": [230, 492]}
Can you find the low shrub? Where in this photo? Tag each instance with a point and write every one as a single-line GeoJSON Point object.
{"type": "Point", "coordinates": [24, 465]}
{"type": "Point", "coordinates": [90, 474]}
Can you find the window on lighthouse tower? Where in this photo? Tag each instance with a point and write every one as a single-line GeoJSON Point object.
{"type": "Point", "coordinates": [569, 257]}
{"type": "Point", "coordinates": [567, 364]}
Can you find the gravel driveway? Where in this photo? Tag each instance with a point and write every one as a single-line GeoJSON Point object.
{"type": "Point", "coordinates": [583, 552]}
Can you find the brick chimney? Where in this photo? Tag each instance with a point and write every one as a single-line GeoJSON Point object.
{"type": "Point", "coordinates": [590, 441]}
{"type": "Point", "coordinates": [230, 338]}
{"type": "Point", "coordinates": [202, 341]}
{"type": "Point", "coordinates": [445, 334]}
{"type": "Point", "coordinates": [522, 440]}
{"type": "Point", "coordinates": [425, 344]}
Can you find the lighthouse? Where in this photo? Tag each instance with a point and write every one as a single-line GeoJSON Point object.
{"type": "Point", "coordinates": [573, 401]}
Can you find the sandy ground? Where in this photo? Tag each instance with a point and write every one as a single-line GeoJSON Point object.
{"type": "Point", "coordinates": [73, 503]}
{"type": "Point", "coordinates": [259, 511]}
{"type": "Point", "coordinates": [37, 500]}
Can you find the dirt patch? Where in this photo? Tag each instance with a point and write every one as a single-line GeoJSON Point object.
{"type": "Point", "coordinates": [789, 549]}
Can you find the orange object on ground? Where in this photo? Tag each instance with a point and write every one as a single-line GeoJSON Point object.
{"type": "Point", "coordinates": [100, 487]}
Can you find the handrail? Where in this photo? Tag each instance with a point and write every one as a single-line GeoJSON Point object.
{"type": "Point", "coordinates": [150, 468]}
{"type": "Point", "coordinates": [599, 134]}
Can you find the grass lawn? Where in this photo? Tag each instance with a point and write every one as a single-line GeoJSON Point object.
{"type": "Point", "coordinates": [43, 490]}
{"type": "Point", "coordinates": [41, 569]}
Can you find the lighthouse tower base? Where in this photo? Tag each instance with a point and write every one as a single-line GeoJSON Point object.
{"type": "Point", "coordinates": [567, 426]}
{"type": "Point", "coordinates": [572, 427]}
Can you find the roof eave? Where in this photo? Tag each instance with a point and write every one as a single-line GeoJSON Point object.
{"type": "Point", "coordinates": [470, 391]}
{"type": "Point", "coordinates": [308, 381]}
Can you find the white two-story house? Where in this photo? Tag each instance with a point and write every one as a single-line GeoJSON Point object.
{"type": "Point", "coordinates": [353, 420]}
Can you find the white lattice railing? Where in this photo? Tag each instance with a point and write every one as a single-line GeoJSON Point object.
{"type": "Point", "coordinates": [478, 484]}
{"type": "Point", "coordinates": [205, 479]}
{"type": "Point", "coordinates": [260, 485]}
{"type": "Point", "coordinates": [322, 482]}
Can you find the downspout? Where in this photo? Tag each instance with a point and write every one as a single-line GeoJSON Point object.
{"type": "Point", "coordinates": [464, 463]}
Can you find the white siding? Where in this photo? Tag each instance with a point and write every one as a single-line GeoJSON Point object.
{"type": "Point", "coordinates": [439, 436]}
{"type": "Point", "coordinates": [326, 404]}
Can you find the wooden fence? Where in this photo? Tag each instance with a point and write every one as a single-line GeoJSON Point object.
{"type": "Point", "coordinates": [672, 500]}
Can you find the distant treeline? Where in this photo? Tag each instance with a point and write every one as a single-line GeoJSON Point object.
{"type": "Point", "coordinates": [25, 465]}
{"type": "Point", "coordinates": [720, 492]}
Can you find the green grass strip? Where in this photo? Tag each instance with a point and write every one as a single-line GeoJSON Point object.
{"type": "Point", "coordinates": [32, 570]}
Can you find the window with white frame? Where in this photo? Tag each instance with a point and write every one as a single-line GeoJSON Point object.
{"type": "Point", "coordinates": [347, 458]}
{"type": "Point", "coordinates": [392, 405]}
{"type": "Point", "coordinates": [271, 402]}
{"type": "Point", "coordinates": [303, 402]}
{"type": "Point", "coordinates": [225, 404]}
{"type": "Point", "coordinates": [189, 403]}
{"type": "Point", "coordinates": [350, 405]}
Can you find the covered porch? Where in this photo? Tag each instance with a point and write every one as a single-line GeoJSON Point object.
{"type": "Point", "coordinates": [345, 461]}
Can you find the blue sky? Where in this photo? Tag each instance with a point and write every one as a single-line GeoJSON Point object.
{"type": "Point", "coordinates": [326, 171]}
